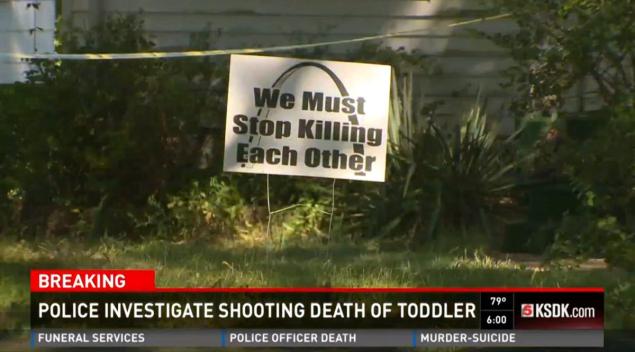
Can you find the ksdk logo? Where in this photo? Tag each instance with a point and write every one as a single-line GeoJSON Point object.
{"type": "Point", "coordinates": [544, 310]}
{"type": "Point", "coordinates": [527, 310]}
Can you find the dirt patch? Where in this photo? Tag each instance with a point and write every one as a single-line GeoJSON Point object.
{"type": "Point", "coordinates": [537, 262]}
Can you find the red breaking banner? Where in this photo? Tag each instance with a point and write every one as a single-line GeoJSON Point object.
{"type": "Point", "coordinates": [92, 280]}
{"type": "Point", "coordinates": [132, 280]}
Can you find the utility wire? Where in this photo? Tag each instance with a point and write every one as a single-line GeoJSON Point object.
{"type": "Point", "coordinates": [218, 52]}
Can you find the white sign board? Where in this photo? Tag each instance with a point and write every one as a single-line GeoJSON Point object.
{"type": "Point", "coordinates": [307, 118]}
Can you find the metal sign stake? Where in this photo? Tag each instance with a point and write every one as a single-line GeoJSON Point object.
{"type": "Point", "coordinates": [272, 213]}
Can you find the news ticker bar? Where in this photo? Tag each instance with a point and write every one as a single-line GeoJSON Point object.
{"type": "Point", "coordinates": [320, 310]}
{"type": "Point", "coordinates": [55, 338]}
{"type": "Point", "coordinates": [104, 307]}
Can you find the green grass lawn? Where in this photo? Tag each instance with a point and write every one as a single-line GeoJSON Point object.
{"type": "Point", "coordinates": [232, 264]}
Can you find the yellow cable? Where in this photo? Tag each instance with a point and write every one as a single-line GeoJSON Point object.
{"type": "Point", "coordinates": [217, 52]}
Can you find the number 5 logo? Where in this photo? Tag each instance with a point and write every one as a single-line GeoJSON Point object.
{"type": "Point", "coordinates": [527, 310]}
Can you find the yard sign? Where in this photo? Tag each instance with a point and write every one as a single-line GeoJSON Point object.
{"type": "Point", "coordinates": [307, 118]}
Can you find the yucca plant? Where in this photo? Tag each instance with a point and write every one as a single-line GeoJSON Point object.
{"type": "Point", "coordinates": [458, 178]}
{"type": "Point", "coordinates": [465, 175]}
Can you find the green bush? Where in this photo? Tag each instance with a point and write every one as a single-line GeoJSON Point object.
{"type": "Point", "coordinates": [561, 43]}
{"type": "Point", "coordinates": [582, 167]}
{"type": "Point", "coordinates": [79, 132]}
{"type": "Point", "coordinates": [583, 236]}
{"type": "Point", "coordinates": [309, 219]}
{"type": "Point", "coordinates": [202, 211]}
{"type": "Point", "coordinates": [601, 169]}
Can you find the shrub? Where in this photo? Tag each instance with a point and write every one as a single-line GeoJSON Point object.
{"type": "Point", "coordinates": [583, 236]}
{"type": "Point", "coordinates": [202, 211]}
{"type": "Point", "coordinates": [559, 45]}
{"type": "Point", "coordinates": [79, 131]}
{"type": "Point", "coordinates": [602, 168]}
{"type": "Point", "coordinates": [562, 42]}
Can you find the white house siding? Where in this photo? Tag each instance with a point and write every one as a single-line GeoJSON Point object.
{"type": "Point", "coordinates": [18, 33]}
{"type": "Point", "coordinates": [463, 63]}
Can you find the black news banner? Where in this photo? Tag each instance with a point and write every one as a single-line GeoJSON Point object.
{"type": "Point", "coordinates": [124, 308]}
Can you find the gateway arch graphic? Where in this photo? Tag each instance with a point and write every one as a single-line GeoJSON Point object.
{"type": "Point", "coordinates": [293, 69]}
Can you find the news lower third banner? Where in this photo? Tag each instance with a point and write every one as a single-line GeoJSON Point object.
{"type": "Point", "coordinates": [124, 308]}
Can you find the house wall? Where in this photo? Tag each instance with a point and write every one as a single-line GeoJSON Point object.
{"type": "Point", "coordinates": [461, 63]}
{"type": "Point", "coordinates": [24, 29]}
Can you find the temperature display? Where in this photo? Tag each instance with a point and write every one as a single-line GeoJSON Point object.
{"type": "Point", "coordinates": [497, 301]}
{"type": "Point", "coordinates": [497, 311]}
